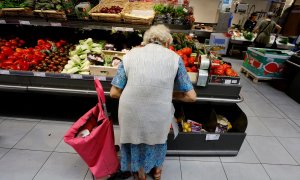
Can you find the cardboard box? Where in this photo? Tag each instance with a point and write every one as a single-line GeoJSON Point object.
{"type": "Point", "coordinates": [266, 62]}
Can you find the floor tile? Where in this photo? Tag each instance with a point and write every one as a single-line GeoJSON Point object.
{"type": "Point", "coordinates": [3, 151]}
{"type": "Point", "coordinates": [21, 164]}
{"type": "Point", "coordinates": [117, 135]}
{"type": "Point", "coordinates": [245, 108]}
{"type": "Point", "coordinates": [283, 172]}
{"type": "Point", "coordinates": [195, 170]}
{"type": "Point", "coordinates": [264, 110]}
{"type": "Point", "coordinates": [12, 131]}
{"type": "Point", "coordinates": [238, 171]}
{"type": "Point", "coordinates": [199, 158]}
{"type": "Point", "coordinates": [256, 127]}
{"type": "Point", "coordinates": [64, 147]}
{"type": "Point", "coordinates": [281, 99]}
{"type": "Point", "coordinates": [269, 150]}
{"type": "Point", "coordinates": [63, 166]}
{"type": "Point", "coordinates": [245, 155]}
{"type": "Point", "coordinates": [89, 176]}
{"type": "Point", "coordinates": [44, 136]}
{"type": "Point", "coordinates": [254, 97]}
{"type": "Point", "coordinates": [22, 119]}
{"type": "Point", "coordinates": [57, 122]}
{"type": "Point", "coordinates": [1, 120]}
{"type": "Point", "coordinates": [292, 111]}
{"type": "Point", "coordinates": [280, 127]}
{"type": "Point", "coordinates": [172, 158]}
{"type": "Point", "coordinates": [292, 145]}
{"type": "Point", "coordinates": [171, 170]}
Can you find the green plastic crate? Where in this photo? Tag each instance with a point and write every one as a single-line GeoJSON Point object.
{"type": "Point", "coordinates": [266, 62]}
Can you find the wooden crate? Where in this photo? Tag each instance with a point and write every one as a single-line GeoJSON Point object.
{"type": "Point", "coordinates": [254, 77]}
{"type": "Point", "coordinates": [25, 12]}
{"type": "Point", "coordinates": [103, 71]}
{"type": "Point", "coordinates": [51, 14]}
{"type": "Point", "coordinates": [106, 16]}
{"type": "Point", "coordinates": [133, 19]}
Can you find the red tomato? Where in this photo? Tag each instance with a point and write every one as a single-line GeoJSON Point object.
{"type": "Point", "coordinates": [219, 71]}
{"type": "Point", "coordinates": [172, 48]}
{"type": "Point", "coordinates": [2, 57]}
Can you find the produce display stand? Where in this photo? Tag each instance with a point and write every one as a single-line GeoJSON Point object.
{"type": "Point", "coordinates": [40, 94]}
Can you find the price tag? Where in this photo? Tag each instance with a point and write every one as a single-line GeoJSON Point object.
{"type": "Point", "coordinates": [76, 76]}
{"type": "Point", "coordinates": [4, 72]}
{"type": "Point", "coordinates": [39, 74]}
{"type": "Point", "coordinates": [180, 2]}
{"type": "Point", "coordinates": [122, 29]}
{"type": "Point", "coordinates": [55, 24]}
{"type": "Point", "coordinates": [227, 81]}
{"type": "Point", "coordinates": [100, 78]}
{"type": "Point", "coordinates": [2, 21]}
{"type": "Point", "coordinates": [24, 22]}
{"type": "Point", "coordinates": [212, 137]}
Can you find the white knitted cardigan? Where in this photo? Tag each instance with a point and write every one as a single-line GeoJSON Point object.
{"type": "Point", "coordinates": [145, 108]}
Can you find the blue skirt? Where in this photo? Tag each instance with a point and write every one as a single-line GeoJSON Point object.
{"type": "Point", "coordinates": [134, 157]}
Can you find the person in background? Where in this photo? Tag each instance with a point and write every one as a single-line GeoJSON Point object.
{"type": "Point", "coordinates": [145, 82]}
{"type": "Point", "coordinates": [264, 30]}
{"type": "Point", "coordinates": [250, 23]}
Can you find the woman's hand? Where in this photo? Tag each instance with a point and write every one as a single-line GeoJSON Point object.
{"type": "Point", "coordinates": [115, 92]}
{"type": "Point", "coordinates": [189, 96]}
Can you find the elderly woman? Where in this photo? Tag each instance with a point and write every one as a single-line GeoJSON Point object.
{"type": "Point", "coordinates": [144, 83]}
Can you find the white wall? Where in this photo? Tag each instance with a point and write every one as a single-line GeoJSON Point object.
{"type": "Point", "coordinates": [258, 5]}
{"type": "Point", "coordinates": [205, 11]}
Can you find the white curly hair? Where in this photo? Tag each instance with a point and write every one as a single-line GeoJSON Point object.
{"type": "Point", "coordinates": [158, 34]}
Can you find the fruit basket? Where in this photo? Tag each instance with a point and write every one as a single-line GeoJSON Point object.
{"type": "Point", "coordinates": [51, 14]}
{"type": "Point", "coordinates": [108, 10]}
{"type": "Point", "coordinates": [27, 12]}
{"type": "Point", "coordinates": [138, 13]}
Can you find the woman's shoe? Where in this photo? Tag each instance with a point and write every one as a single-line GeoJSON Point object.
{"type": "Point", "coordinates": [157, 173]}
{"type": "Point", "coordinates": [137, 176]}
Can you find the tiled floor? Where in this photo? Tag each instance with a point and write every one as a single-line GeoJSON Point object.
{"type": "Point", "coordinates": [34, 149]}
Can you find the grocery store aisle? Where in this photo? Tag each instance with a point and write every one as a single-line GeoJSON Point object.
{"type": "Point", "coordinates": [34, 149]}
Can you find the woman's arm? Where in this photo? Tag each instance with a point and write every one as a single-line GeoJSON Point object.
{"type": "Point", "coordinates": [278, 28]}
{"type": "Point", "coordinates": [189, 96]}
{"type": "Point", "coordinates": [115, 92]}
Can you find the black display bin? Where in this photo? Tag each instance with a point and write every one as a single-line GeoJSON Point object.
{"type": "Point", "coordinates": [227, 144]}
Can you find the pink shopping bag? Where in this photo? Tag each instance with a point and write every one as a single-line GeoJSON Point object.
{"type": "Point", "coordinates": [96, 149]}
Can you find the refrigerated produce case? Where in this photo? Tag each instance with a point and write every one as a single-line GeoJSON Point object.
{"type": "Point", "coordinates": [66, 97]}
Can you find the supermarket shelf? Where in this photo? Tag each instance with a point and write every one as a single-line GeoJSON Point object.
{"type": "Point", "coordinates": [90, 25]}
{"type": "Point", "coordinates": [93, 93]}
{"type": "Point", "coordinates": [83, 85]}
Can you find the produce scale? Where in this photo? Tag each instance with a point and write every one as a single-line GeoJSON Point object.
{"type": "Point", "coordinates": [48, 65]}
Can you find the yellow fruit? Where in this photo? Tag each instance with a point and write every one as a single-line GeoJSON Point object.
{"type": "Point", "coordinates": [189, 129]}
{"type": "Point", "coordinates": [186, 125]}
{"type": "Point", "coordinates": [184, 130]}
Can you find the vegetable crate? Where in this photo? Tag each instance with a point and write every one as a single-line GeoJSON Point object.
{"type": "Point", "coordinates": [224, 79]}
{"type": "Point", "coordinates": [138, 13]}
{"type": "Point", "coordinates": [17, 12]}
{"type": "Point", "coordinates": [266, 62]}
{"type": "Point", "coordinates": [103, 71]}
{"type": "Point", "coordinates": [51, 14]}
{"type": "Point", "coordinates": [98, 16]}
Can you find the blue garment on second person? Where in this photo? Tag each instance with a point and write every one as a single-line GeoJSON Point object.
{"type": "Point", "coordinates": [135, 156]}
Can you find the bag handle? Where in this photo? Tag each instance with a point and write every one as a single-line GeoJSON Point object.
{"type": "Point", "coordinates": [100, 94]}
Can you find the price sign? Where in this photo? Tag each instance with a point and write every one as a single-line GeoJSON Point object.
{"type": "Point", "coordinates": [212, 137]}
{"type": "Point", "coordinates": [55, 24]}
{"type": "Point", "coordinates": [100, 78]}
{"type": "Point", "coordinates": [2, 21]}
{"type": "Point", "coordinates": [24, 22]}
{"type": "Point", "coordinates": [76, 76]}
{"type": "Point", "coordinates": [6, 72]}
{"type": "Point", "coordinates": [124, 29]}
{"type": "Point", "coordinates": [39, 74]}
